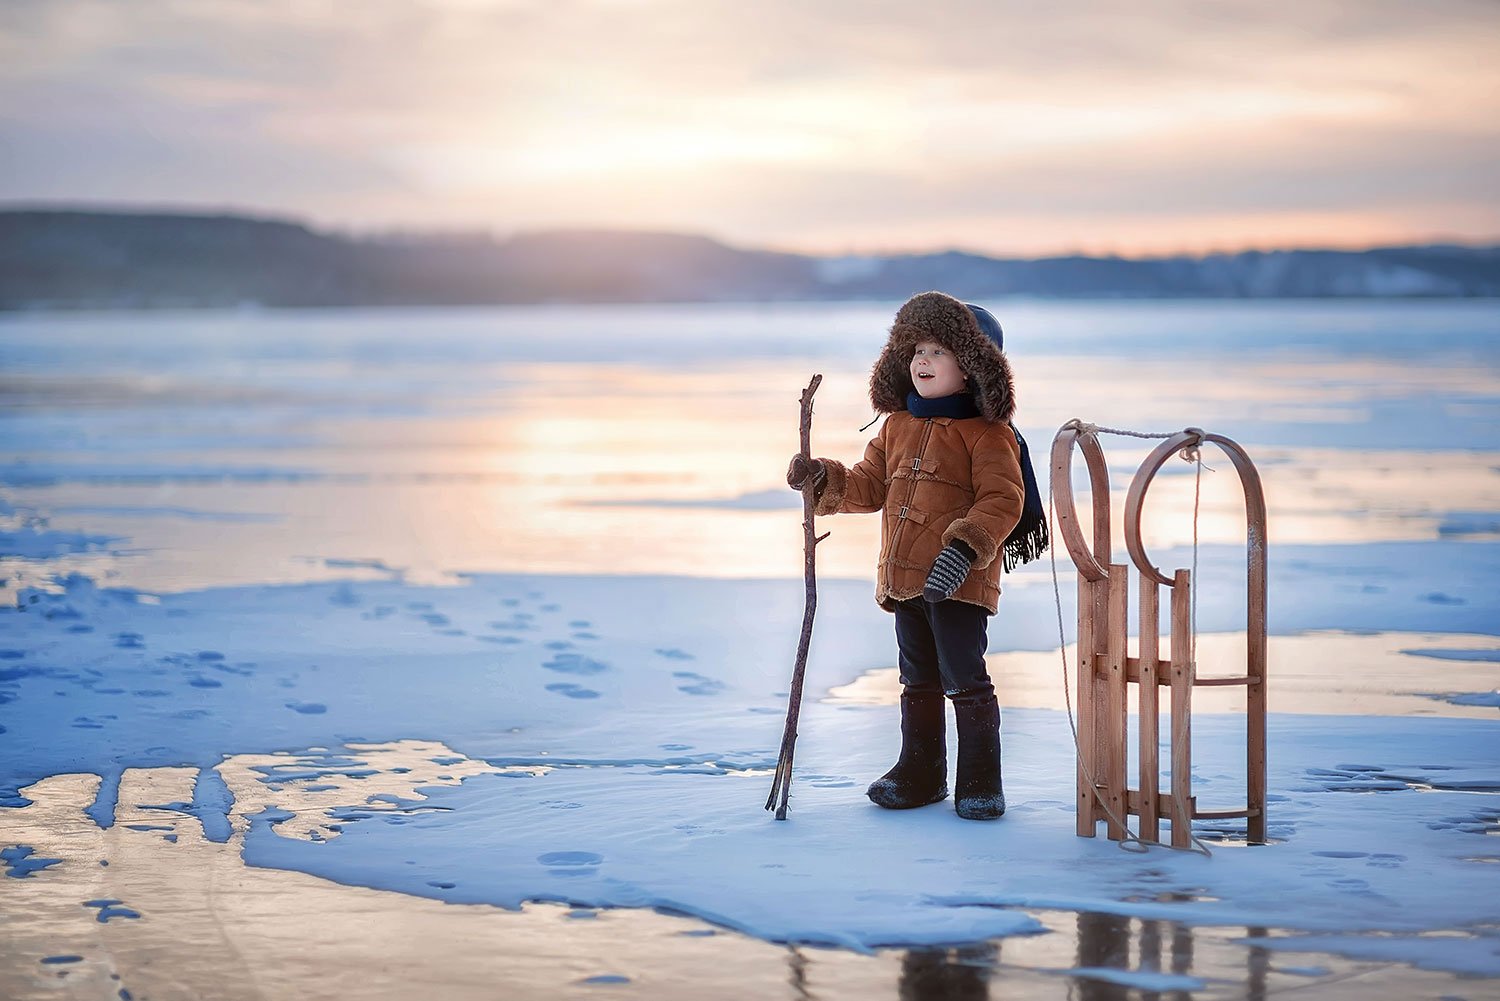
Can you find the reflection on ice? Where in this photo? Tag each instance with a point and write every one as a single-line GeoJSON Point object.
{"type": "Point", "coordinates": [625, 465]}
{"type": "Point", "coordinates": [149, 907]}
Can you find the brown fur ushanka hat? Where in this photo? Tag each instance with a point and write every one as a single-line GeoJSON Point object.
{"type": "Point", "coordinates": [939, 317]}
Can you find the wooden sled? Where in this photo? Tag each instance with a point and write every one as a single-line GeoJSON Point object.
{"type": "Point", "coordinates": [1106, 669]}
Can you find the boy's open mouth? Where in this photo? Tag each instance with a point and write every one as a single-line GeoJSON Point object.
{"type": "Point", "coordinates": [924, 375]}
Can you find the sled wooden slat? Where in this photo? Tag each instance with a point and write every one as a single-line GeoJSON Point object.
{"type": "Point", "coordinates": [1224, 814]}
{"type": "Point", "coordinates": [1136, 803]}
{"type": "Point", "coordinates": [1088, 759]}
{"type": "Point", "coordinates": [1149, 716]}
{"type": "Point", "coordinates": [1181, 709]}
{"type": "Point", "coordinates": [1112, 678]}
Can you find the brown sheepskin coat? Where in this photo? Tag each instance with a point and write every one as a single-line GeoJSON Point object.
{"type": "Point", "coordinates": [936, 479]}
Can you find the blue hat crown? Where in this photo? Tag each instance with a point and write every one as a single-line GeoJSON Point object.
{"type": "Point", "coordinates": [988, 324]}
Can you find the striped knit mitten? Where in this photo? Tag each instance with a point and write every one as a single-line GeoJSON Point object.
{"type": "Point", "coordinates": [801, 468]}
{"type": "Point", "coordinates": [949, 571]}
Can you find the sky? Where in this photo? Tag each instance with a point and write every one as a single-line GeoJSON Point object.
{"type": "Point", "coordinates": [826, 126]}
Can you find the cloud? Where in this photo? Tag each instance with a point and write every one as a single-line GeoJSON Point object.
{"type": "Point", "coordinates": [811, 124]}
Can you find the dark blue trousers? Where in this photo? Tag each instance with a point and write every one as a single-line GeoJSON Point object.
{"type": "Point", "coordinates": [942, 647]}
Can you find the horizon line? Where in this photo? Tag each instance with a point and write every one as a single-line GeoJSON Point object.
{"type": "Point", "coordinates": [499, 235]}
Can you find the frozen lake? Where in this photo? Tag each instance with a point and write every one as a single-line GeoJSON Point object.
{"type": "Point", "coordinates": [221, 448]}
{"type": "Point", "coordinates": [408, 614]}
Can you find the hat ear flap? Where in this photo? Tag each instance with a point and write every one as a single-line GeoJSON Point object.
{"type": "Point", "coordinates": [890, 380]}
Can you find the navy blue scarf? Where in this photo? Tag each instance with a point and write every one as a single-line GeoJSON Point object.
{"type": "Point", "coordinates": [958, 406]}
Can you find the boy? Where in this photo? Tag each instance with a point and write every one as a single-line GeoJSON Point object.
{"type": "Point", "coordinates": [945, 474]}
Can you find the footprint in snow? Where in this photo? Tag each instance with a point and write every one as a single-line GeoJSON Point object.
{"type": "Point", "coordinates": [573, 691]}
{"type": "Point", "coordinates": [575, 663]}
{"type": "Point", "coordinates": [830, 781]}
{"type": "Point", "coordinates": [243, 670]}
{"type": "Point", "coordinates": [308, 708]}
{"type": "Point", "coordinates": [672, 653]}
{"type": "Point", "coordinates": [697, 684]}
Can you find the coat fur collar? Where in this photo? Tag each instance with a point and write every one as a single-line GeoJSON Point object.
{"type": "Point", "coordinates": [942, 318]}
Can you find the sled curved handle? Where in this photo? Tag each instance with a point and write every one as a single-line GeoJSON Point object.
{"type": "Point", "coordinates": [1255, 503]}
{"type": "Point", "coordinates": [1091, 562]}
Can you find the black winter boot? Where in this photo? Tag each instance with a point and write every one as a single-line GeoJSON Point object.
{"type": "Point", "coordinates": [921, 773]}
{"type": "Point", "coordinates": [979, 795]}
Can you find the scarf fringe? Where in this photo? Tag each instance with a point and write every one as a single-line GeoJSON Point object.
{"type": "Point", "coordinates": [1029, 539]}
{"type": "Point", "coordinates": [1025, 547]}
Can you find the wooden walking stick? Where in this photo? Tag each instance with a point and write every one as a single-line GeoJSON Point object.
{"type": "Point", "coordinates": [781, 785]}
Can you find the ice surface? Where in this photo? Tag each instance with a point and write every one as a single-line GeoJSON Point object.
{"type": "Point", "coordinates": [466, 623]}
{"type": "Point", "coordinates": [1476, 955]}
{"type": "Point", "coordinates": [1140, 979]}
{"type": "Point", "coordinates": [650, 794]}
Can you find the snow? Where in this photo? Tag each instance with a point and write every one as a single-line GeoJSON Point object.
{"type": "Point", "coordinates": [469, 771]}
{"type": "Point", "coordinates": [394, 639]}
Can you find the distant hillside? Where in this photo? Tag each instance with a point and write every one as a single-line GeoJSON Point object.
{"type": "Point", "coordinates": [73, 259]}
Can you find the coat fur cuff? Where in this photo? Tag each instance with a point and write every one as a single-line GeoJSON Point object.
{"type": "Point", "coordinates": [983, 544]}
{"type": "Point", "coordinates": [834, 490]}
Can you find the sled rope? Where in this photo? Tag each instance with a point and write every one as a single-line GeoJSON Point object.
{"type": "Point", "coordinates": [1131, 842]}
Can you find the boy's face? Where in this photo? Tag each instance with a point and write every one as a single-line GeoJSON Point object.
{"type": "Point", "coordinates": [934, 372]}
